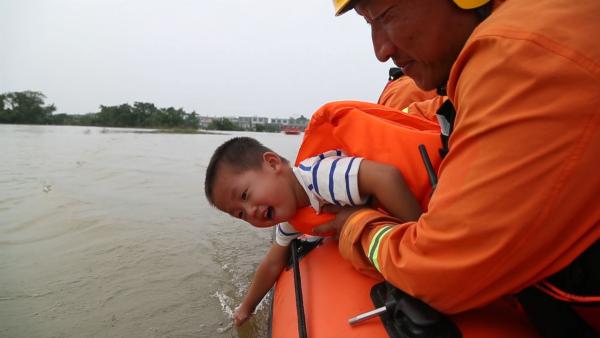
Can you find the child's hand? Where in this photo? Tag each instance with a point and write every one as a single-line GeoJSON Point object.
{"type": "Point", "coordinates": [336, 225]}
{"type": "Point", "coordinates": [241, 315]}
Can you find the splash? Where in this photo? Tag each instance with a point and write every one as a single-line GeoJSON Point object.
{"type": "Point", "coordinates": [226, 303]}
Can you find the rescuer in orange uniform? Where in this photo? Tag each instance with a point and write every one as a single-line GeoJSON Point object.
{"type": "Point", "coordinates": [518, 194]}
{"type": "Point", "coordinates": [401, 92]}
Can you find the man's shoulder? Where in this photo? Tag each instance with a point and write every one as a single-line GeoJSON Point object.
{"type": "Point", "coordinates": [550, 28]}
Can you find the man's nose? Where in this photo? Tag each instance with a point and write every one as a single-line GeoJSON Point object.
{"type": "Point", "coordinates": [382, 45]}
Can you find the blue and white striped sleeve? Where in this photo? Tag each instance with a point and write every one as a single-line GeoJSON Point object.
{"type": "Point", "coordinates": [335, 179]}
{"type": "Point", "coordinates": [285, 233]}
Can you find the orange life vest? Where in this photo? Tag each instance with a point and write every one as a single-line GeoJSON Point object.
{"type": "Point", "coordinates": [401, 92]}
{"type": "Point", "coordinates": [374, 132]}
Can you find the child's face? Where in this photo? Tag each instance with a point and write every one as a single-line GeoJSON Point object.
{"type": "Point", "coordinates": [262, 197]}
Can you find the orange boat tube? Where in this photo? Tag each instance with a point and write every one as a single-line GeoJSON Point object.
{"type": "Point", "coordinates": [333, 292]}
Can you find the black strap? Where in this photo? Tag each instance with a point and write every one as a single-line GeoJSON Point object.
{"type": "Point", "coordinates": [582, 276]}
{"type": "Point", "coordinates": [298, 249]}
{"type": "Point", "coordinates": [555, 318]}
{"type": "Point", "coordinates": [428, 167]}
{"type": "Point", "coordinates": [303, 248]}
{"type": "Point", "coordinates": [446, 115]}
{"type": "Point", "coordinates": [298, 289]}
{"type": "Point", "coordinates": [395, 73]}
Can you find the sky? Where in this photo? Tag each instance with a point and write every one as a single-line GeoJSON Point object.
{"type": "Point", "coordinates": [273, 58]}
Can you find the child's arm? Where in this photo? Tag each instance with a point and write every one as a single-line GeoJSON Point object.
{"type": "Point", "coordinates": [386, 184]}
{"type": "Point", "coordinates": [267, 273]}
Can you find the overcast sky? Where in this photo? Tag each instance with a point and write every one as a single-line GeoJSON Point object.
{"type": "Point", "coordinates": [216, 57]}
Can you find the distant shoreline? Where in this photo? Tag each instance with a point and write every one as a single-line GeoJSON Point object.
{"type": "Point", "coordinates": [165, 131]}
{"type": "Point", "coordinates": [139, 130]}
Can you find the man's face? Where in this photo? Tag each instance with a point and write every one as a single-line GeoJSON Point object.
{"type": "Point", "coordinates": [423, 37]}
{"type": "Point", "coordinates": [262, 197]}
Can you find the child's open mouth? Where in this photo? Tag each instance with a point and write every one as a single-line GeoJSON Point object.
{"type": "Point", "coordinates": [269, 213]}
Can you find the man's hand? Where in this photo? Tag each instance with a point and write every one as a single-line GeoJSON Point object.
{"type": "Point", "coordinates": [241, 315]}
{"type": "Point", "coordinates": [341, 215]}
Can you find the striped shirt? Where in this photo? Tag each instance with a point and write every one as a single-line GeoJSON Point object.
{"type": "Point", "coordinates": [328, 178]}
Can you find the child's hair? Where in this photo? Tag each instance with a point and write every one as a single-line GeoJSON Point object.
{"type": "Point", "coordinates": [240, 154]}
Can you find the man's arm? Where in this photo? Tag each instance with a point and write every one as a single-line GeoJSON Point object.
{"type": "Point", "coordinates": [267, 273]}
{"type": "Point", "coordinates": [512, 205]}
{"type": "Point", "coordinates": [386, 184]}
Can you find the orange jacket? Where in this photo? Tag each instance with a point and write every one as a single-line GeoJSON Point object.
{"type": "Point", "coordinates": [517, 197]}
{"type": "Point", "coordinates": [403, 94]}
{"type": "Point", "coordinates": [376, 133]}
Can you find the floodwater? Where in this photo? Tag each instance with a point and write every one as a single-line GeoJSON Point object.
{"type": "Point", "coordinates": [106, 233]}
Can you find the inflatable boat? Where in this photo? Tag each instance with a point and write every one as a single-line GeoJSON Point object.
{"type": "Point", "coordinates": [325, 293]}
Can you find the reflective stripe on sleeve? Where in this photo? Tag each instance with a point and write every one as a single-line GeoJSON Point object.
{"type": "Point", "coordinates": [374, 246]}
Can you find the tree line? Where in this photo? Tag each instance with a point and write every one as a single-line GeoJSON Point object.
{"type": "Point", "coordinates": [28, 107]}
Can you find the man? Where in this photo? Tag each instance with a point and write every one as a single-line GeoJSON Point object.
{"type": "Point", "coordinates": [517, 198]}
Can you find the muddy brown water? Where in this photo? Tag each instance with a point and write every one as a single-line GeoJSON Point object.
{"type": "Point", "coordinates": [106, 233]}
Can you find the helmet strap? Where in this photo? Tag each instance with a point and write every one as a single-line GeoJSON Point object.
{"type": "Point", "coordinates": [484, 11]}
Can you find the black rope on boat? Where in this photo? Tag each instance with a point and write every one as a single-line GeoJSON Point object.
{"type": "Point", "coordinates": [303, 248]}
{"type": "Point", "coordinates": [298, 289]}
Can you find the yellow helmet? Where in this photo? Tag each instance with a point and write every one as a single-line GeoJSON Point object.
{"type": "Point", "coordinates": [342, 6]}
{"type": "Point", "coordinates": [470, 4]}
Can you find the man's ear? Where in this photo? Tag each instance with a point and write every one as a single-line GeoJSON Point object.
{"type": "Point", "coordinates": [272, 160]}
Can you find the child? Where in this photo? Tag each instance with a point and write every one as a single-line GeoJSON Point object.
{"type": "Point", "coordinates": [249, 181]}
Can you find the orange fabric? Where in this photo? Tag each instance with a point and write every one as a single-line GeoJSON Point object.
{"type": "Point", "coordinates": [306, 219]}
{"type": "Point", "coordinates": [376, 133]}
{"type": "Point", "coordinates": [351, 248]}
{"type": "Point", "coordinates": [517, 197]}
{"type": "Point", "coordinates": [427, 108]}
{"type": "Point", "coordinates": [402, 92]}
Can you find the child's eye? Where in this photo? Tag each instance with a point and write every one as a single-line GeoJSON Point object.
{"type": "Point", "coordinates": [244, 195]}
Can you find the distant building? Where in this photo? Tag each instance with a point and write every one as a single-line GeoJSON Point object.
{"type": "Point", "coordinates": [299, 122]}
{"type": "Point", "coordinates": [248, 122]}
{"type": "Point", "coordinates": [204, 121]}
{"type": "Point", "coordinates": [280, 122]}
{"type": "Point", "coordinates": [235, 120]}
